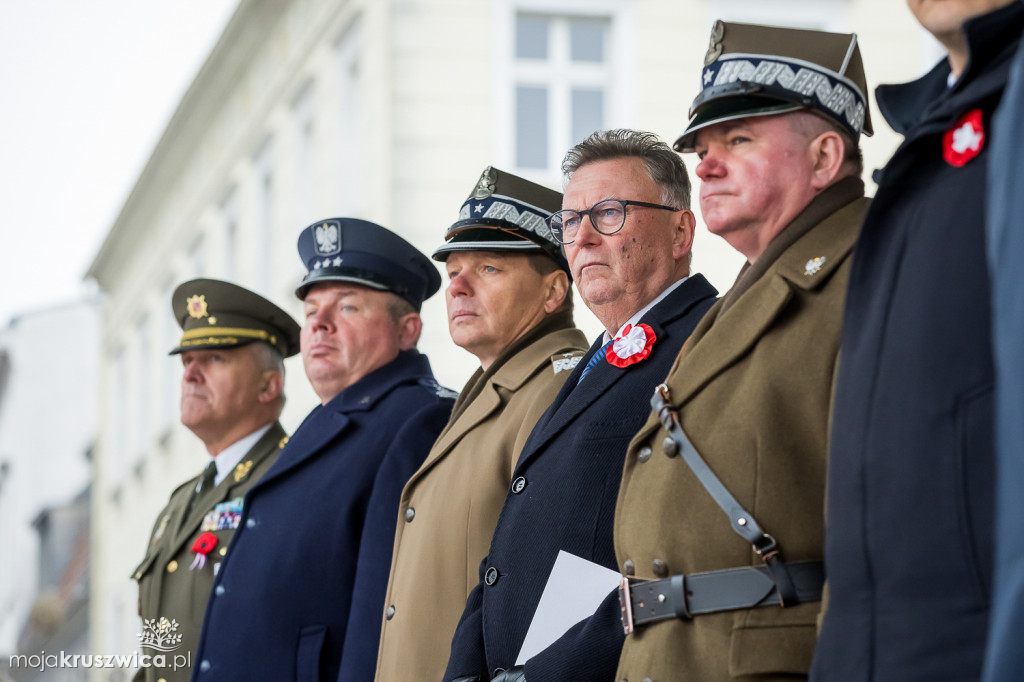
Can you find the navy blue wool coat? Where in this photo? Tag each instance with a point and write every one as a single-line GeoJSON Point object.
{"type": "Point", "coordinates": [908, 548]}
{"type": "Point", "coordinates": [316, 532]}
{"type": "Point", "coordinates": [570, 467]}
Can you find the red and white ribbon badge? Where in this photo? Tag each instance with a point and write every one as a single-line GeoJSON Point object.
{"type": "Point", "coordinates": [632, 346]}
{"type": "Point", "coordinates": [964, 141]}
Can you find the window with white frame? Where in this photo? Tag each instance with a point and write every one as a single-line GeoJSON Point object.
{"type": "Point", "coordinates": [263, 164]}
{"type": "Point", "coordinates": [351, 107]}
{"type": "Point", "coordinates": [562, 84]}
{"type": "Point", "coordinates": [140, 403]}
{"type": "Point", "coordinates": [117, 457]}
{"type": "Point", "coordinates": [169, 389]}
{"type": "Point", "coordinates": [304, 172]}
{"type": "Point", "coordinates": [819, 15]}
{"type": "Point", "coordinates": [229, 224]}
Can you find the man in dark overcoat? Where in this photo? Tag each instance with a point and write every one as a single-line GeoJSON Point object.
{"type": "Point", "coordinates": [910, 487]}
{"type": "Point", "coordinates": [627, 232]}
{"type": "Point", "coordinates": [1005, 657]}
{"type": "Point", "coordinates": [232, 352]}
{"type": "Point", "coordinates": [316, 531]}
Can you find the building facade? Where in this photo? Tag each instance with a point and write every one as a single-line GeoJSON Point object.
{"type": "Point", "coordinates": [387, 111]}
{"type": "Point", "coordinates": [48, 416]}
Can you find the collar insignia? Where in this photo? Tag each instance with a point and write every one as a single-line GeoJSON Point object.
{"type": "Point", "coordinates": [242, 470]}
{"type": "Point", "coordinates": [814, 265]}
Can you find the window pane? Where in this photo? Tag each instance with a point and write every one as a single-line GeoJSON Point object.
{"type": "Point", "coordinates": [587, 112]}
{"type": "Point", "coordinates": [531, 127]}
{"type": "Point", "coordinates": [531, 38]}
{"type": "Point", "coordinates": [586, 39]}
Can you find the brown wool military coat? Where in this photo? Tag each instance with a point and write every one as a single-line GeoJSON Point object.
{"type": "Point", "coordinates": [451, 504]}
{"type": "Point", "coordinates": [168, 587]}
{"type": "Point", "coordinates": [753, 389]}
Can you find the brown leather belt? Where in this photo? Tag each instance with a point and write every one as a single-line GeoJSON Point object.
{"type": "Point", "coordinates": [684, 596]}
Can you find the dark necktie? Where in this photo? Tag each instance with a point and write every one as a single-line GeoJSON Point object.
{"type": "Point", "coordinates": [206, 482]}
{"type": "Point", "coordinates": [595, 358]}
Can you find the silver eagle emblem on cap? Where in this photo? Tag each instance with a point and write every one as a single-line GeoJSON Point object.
{"type": "Point", "coordinates": [327, 239]}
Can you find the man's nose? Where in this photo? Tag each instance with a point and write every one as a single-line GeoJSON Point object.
{"type": "Point", "coordinates": [459, 285]}
{"type": "Point", "coordinates": [710, 166]}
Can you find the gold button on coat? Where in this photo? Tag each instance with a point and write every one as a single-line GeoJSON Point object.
{"type": "Point", "coordinates": [172, 566]}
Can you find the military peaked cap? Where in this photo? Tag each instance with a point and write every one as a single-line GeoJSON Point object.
{"type": "Point", "coordinates": [752, 70]}
{"type": "Point", "coordinates": [215, 314]}
{"type": "Point", "coordinates": [504, 212]}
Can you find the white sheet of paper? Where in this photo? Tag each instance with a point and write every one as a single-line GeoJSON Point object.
{"type": "Point", "coordinates": [575, 588]}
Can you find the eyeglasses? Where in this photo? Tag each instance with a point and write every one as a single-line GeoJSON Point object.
{"type": "Point", "coordinates": [606, 216]}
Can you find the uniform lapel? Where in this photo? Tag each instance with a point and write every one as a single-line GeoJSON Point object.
{"type": "Point", "coordinates": [482, 407]}
{"type": "Point", "coordinates": [807, 264]}
{"type": "Point", "coordinates": [576, 396]}
{"type": "Point", "coordinates": [265, 446]}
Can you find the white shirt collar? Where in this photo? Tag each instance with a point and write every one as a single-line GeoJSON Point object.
{"type": "Point", "coordinates": [643, 311]}
{"type": "Point", "coordinates": [233, 454]}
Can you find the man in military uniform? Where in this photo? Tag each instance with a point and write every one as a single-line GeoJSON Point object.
{"type": "Point", "coordinates": [232, 350]}
{"type": "Point", "coordinates": [627, 232]}
{"type": "Point", "coordinates": [719, 523]}
{"type": "Point", "coordinates": [509, 304]}
{"type": "Point", "coordinates": [911, 461]}
{"type": "Point", "coordinates": [316, 532]}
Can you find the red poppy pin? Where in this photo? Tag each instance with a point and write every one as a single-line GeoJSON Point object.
{"type": "Point", "coordinates": [203, 545]}
{"type": "Point", "coordinates": [632, 346]}
{"type": "Point", "coordinates": [964, 141]}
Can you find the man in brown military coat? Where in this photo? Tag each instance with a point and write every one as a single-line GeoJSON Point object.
{"type": "Point", "coordinates": [232, 351]}
{"type": "Point", "coordinates": [719, 520]}
{"type": "Point", "coordinates": [509, 304]}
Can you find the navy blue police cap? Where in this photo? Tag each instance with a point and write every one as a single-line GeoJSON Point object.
{"type": "Point", "coordinates": [505, 212]}
{"type": "Point", "coordinates": [213, 314]}
{"type": "Point", "coordinates": [364, 253]}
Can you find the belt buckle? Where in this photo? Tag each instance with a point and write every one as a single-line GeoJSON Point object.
{"type": "Point", "coordinates": [626, 606]}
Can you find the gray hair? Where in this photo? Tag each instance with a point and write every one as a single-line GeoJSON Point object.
{"type": "Point", "coordinates": [268, 358]}
{"type": "Point", "coordinates": [665, 168]}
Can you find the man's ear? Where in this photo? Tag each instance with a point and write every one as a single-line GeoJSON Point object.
{"type": "Point", "coordinates": [557, 285]}
{"type": "Point", "coordinates": [409, 328]}
{"type": "Point", "coordinates": [828, 152]}
{"type": "Point", "coordinates": [682, 239]}
{"type": "Point", "coordinates": [271, 385]}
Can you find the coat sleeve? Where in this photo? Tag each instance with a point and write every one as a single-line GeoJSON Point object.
{"type": "Point", "coordinates": [588, 650]}
{"type": "Point", "coordinates": [468, 657]}
{"type": "Point", "coordinates": [403, 457]}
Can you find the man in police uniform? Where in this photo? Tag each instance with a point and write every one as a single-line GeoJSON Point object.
{"type": "Point", "coordinates": [316, 531]}
{"type": "Point", "coordinates": [627, 232]}
{"type": "Point", "coordinates": [232, 350]}
{"type": "Point", "coordinates": [911, 460]}
{"type": "Point", "coordinates": [719, 522]}
{"type": "Point", "coordinates": [509, 304]}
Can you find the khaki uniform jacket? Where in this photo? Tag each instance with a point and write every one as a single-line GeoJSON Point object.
{"type": "Point", "coordinates": [168, 587]}
{"type": "Point", "coordinates": [450, 506]}
{"type": "Point", "coordinates": [753, 388]}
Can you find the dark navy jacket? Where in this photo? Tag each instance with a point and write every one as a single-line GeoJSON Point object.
{"type": "Point", "coordinates": [910, 481]}
{"type": "Point", "coordinates": [570, 467]}
{"type": "Point", "coordinates": [316, 533]}
{"type": "Point", "coordinates": [1005, 659]}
